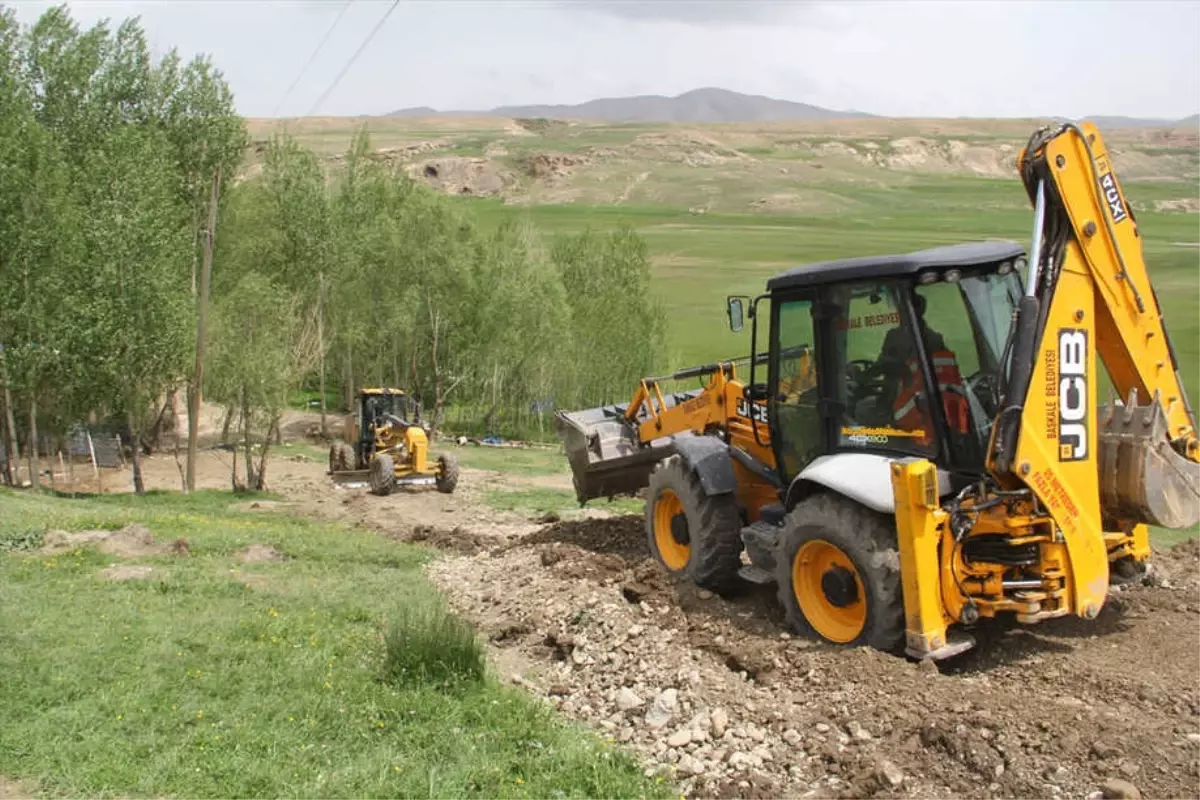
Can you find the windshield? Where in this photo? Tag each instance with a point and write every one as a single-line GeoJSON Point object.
{"type": "Point", "coordinates": [973, 317]}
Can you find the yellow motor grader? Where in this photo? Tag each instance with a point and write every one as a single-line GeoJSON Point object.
{"type": "Point", "coordinates": [926, 448]}
{"type": "Point", "coordinates": [388, 450]}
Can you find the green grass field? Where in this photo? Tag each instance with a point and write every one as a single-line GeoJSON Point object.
{"type": "Point", "coordinates": [332, 673]}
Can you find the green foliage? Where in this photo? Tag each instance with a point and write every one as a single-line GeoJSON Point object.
{"type": "Point", "coordinates": [617, 323]}
{"type": "Point", "coordinates": [213, 678]}
{"type": "Point", "coordinates": [104, 151]}
{"type": "Point", "coordinates": [426, 644]}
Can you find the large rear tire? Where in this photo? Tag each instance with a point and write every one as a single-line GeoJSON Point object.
{"type": "Point", "coordinates": [838, 574]}
{"type": "Point", "coordinates": [690, 533]}
{"type": "Point", "coordinates": [383, 475]}
{"type": "Point", "coordinates": [447, 474]}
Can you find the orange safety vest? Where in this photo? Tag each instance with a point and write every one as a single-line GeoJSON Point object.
{"type": "Point", "coordinates": [906, 409]}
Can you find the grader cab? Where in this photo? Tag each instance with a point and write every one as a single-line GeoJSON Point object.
{"type": "Point", "coordinates": [382, 447]}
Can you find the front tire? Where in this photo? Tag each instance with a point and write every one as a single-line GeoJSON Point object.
{"type": "Point", "coordinates": [447, 474]}
{"type": "Point", "coordinates": [838, 574]}
{"type": "Point", "coordinates": [383, 475]}
{"type": "Point", "coordinates": [691, 533]}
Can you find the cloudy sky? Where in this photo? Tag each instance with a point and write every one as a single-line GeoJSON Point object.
{"type": "Point", "coordinates": [942, 58]}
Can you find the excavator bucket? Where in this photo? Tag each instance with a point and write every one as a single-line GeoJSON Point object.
{"type": "Point", "coordinates": [603, 450]}
{"type": "Point", "coordinates": [1142, 477]}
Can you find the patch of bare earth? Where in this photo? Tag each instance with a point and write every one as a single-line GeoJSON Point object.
{"type": "Point", "coordinates": [260, 554]}
{"type": "Point", "coordinates": [13, 790]}
{"type": "Point", "coordinates": [132, 541]}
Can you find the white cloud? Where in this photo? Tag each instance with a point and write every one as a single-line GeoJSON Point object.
{"type": "Point", "coordinates": [977, 58]}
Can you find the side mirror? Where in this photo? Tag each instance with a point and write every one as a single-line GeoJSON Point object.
{"type": "Point", "coordinates": [737, 313]}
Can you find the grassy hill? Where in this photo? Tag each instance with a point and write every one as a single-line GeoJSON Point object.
{"type": "Point", "coordinates": [725, 206]}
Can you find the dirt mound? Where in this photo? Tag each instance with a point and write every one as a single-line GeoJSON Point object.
{"type": "Point", "coordinates": [1177, 566]}
{"type": "Point", "coordinates": [260, 554]}
{"type": "Point", "coordinates": [716, 693]}
{"type": "Point", "coordinates": [549, 166]}
{"type": "Point", "coordinates": [132, 541]}
{"type": "Point", "coordinates": [457, 539]}
{"type": "Point", "coordinates": [457, 175]}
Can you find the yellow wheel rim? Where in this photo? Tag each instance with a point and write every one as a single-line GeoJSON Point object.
{"type": "Point", "coordinates": [673, 554]}
{"type": "Point", "coordinates": [829, 591]}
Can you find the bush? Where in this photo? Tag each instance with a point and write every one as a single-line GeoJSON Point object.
{"type": "Point", "coordinates": [426, 644]}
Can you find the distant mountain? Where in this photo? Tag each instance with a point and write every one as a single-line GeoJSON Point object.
{"type": "Point", "coordinates": [698, 105]}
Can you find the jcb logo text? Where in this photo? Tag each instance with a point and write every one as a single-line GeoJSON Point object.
{"type": "Point", "coordinates": [1112, 196]}
{"type": "Point", "coordinates": [1072, 395]}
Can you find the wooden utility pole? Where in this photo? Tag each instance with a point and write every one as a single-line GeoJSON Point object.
{"type": "Point", "coordinates": [196, 395]}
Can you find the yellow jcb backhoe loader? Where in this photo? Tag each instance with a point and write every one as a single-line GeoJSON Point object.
{"type": "Point", "coordinates": [388, 450]}
{"type": "Point", "coordinates": [927, 448]}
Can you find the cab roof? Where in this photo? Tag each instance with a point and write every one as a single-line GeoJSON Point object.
{"type": "Point", "coordinates": [968, 254]}
{"type": "Point", "coordinates": [382, 391]}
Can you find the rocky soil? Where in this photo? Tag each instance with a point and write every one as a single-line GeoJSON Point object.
{"type": "Point", "coordinates": [717, 695]}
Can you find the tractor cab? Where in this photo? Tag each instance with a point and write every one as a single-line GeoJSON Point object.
{"type": "Point", "coordinates": [907, 353]}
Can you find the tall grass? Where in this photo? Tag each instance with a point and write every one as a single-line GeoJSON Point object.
{"type": "Point", "coordinates": [426, 644]}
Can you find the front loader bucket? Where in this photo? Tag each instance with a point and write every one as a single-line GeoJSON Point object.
{"type": "Point", "coordinates": [606, 458]}
{"type": "Point", "coordinates": [1142, 477]}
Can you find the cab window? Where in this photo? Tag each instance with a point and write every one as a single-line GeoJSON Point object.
{"type": "Point", "coordinates": [879, 391]}
{"type": "Point", "coordinates": [797, 433]}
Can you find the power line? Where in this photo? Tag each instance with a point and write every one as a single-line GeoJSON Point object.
{"type": "Point", "coordinates": [312, 57]}
{"type": "Point", "coordinates": [353, 58]}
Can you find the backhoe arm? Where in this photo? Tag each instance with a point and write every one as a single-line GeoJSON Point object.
{"type": "Point", "coordinates": [1089, 293]}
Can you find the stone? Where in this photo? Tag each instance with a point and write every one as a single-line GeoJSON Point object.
{"type": "Point", "coordinates": [663, 709]}
{"type": "Point", "coordinates": [704, 594]}
{"type": "Point", "coordinates": [821, 727]}
{"type": "Point", "coordinates": [627, 700]}
{"type": "Point", "coordinates": [720, 722]}
{"type": "Point", "coordinates": [889, 774]}
{"type": "Point", "coordinates": [680, 738]}
{"type": "Point", "coordinates": [858, 732]}
{"type": "Point", "coordinates": [1117, 789]}
{"type": "Point", "coordinates": [756, 733]}
{"type": "Point", "coordinates": [792, 737]}
{"type": "Point", "coordinates": [1056, 775]}
{"type": "Point", "coordinates": [691, 765]}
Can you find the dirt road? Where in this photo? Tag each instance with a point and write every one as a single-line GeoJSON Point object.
{"type": "Point", "coordinates": [714, 693]}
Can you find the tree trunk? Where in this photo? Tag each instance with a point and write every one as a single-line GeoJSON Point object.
{"type": "Point", "coordinates": [321, 345]}
{"type": "Point", "coordinates": [139, 487]}
{"type": "Point", "coordinates": [250, 479]}
{"type": "Point", "coordinates": [11, 448]}
{"type": "Point", "coordinates": [260, 478]}
{"type": "Point", "coordinates": [226, 425]}
{"type": "Point", "coordinates": [196, 395]}
{"type": "Point", "coordinates": [35, 479]}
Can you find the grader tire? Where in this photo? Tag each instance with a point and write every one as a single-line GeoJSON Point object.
{"type": "Point", "coordinates": [838, 574]}
{"type": "Point", "coordinates": [349, 459]}
{"type": "Point", "coordinates": [335, 455]}
{"type": "Point", "coordinates": [447, 474]}
{"type": "Point", "coordinates": [383, 475]}
{"type": "Point", "coordinates": [690, 533]}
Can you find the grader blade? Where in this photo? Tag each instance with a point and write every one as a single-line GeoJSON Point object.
{"type": "Point", "coordinates": [1142, 476]}
{"type": "Point", "coordinates": [351, 477]}
{"type": "Point", "coordinates": [602, 447]}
